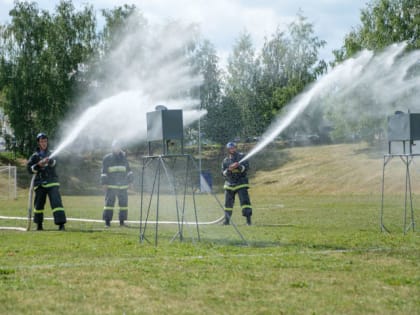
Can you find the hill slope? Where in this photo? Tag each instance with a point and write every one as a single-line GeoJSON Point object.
{"type": "Point", "coordinates": [326, 169]}
{"type": "Point", "coordinates": [335, 169]}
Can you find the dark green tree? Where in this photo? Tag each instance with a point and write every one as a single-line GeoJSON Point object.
{"type": "Point", "coordinates": [383, 22]}
{"type": "Point", "coordinates": [242, 75]}
{"type": "Point", "coordinates": [42, 65]}
{"type": "Point", "coordinates": [23, 44]}
{"type": "Point", "coordinates": [289, 62]}
{"type": "Point", "coordinates": [225, 124]}
{"type": "Point", "coordinates": [209, 92]}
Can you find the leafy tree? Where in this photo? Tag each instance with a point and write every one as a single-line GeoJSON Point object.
{"type": "Point", "coordinates": [72, 41]}
{"type": "Point", "coordinates": [302, 64]}
{"type": "Point", "coordinates": [209, 92]}
{"type": "Point", "coordinates": [242, 74]}
{"type": "Point", "coordinates": [261, 86]}
{"type": "Point", "coordinates": [383, 22]}
{"type": "Point", "coordinates": [116, 25]}
{"type": "Point", "coordinates": [225, 124]}
{"type": "Point", "coordinates": [105, 67]}
{"type": "Point", "coordinates": [23, 43]}
{"type": "Point", "coordinates": [206, 61]}
{"type": "Point", "coordinates": [289, 61]}
{"type": "Point", "coordinates": [147, 53]}
{"type": "Point", "coordinates": [41, 59]}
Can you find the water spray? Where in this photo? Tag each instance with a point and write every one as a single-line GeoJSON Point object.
{"type": "Point", "coordinates": [378, 73]}
{"type": "Point", "coordinates": [87, 117]}
{"type": "Point", "coordinates": [149, 66]}
{"type": "Point", "coordinates": [299, 104]}
{"type": "Point", "coordinates": [156, 71]}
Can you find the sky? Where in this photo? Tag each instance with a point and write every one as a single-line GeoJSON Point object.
{"type": "Point", "coordinates": [222, 21]}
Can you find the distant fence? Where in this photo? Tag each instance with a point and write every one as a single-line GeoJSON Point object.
{"type": "Point", "coordinates": [8, 182]}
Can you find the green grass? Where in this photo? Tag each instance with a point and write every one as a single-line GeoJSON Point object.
{"type": "Point", "coordinates": [315, 247]}
{"type": "Point", "coordinates": [307, 254]}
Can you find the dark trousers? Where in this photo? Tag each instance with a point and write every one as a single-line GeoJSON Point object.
{"type": "Point", "coordinates": [244, 200]}
{"type": "Point", "coordinates": [110, 196]}
{"type": "Point", "coordinates": [56, 204]}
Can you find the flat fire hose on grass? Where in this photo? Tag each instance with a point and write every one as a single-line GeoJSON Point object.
{"type": "Point", "coordinates": [30, 204]}
{"type": "Point", "coordinates": [30, 210]}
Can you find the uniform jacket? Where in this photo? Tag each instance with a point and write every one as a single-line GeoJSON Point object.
{"type": "Point", "coordinates": [116, 172]}
{"type": "Point", "coordinates": [44, 175]}
{"type": "Point", "coordinates": [238, 176]}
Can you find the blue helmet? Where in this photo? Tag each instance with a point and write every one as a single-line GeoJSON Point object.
{"type": "Point", "coordinates": [41, 135]}
{"type": "Point", "coordinates": [230, 145]}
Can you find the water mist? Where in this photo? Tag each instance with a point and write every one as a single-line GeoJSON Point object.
{"type": "Point", "coordinates": [384, 77]}
{"type": "Point", "coordinates": [147, 68]}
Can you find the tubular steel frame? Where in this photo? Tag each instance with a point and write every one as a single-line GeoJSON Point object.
{"type": "Point", "coordinates": [406, 159]}
{"type": "Point", "coordinates": [161, 163]}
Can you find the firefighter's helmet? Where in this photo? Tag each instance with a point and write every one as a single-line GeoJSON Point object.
{"type": "Point", "coordinates": [41, 135]}
{"type": "Point", "coordinates": [230, 145]}
{"type": "Point", "coordinates": [115, 145]}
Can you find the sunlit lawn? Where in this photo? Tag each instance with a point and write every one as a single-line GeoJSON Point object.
{"type": "Point", "coordinates": [305, 254]}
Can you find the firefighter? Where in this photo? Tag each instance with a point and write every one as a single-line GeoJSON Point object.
{"type": "Point", "coordinates": [46, 183]}
{"type": "Point", "coordinates": [115, 178]}
{"type": "Point", "coordinates": [236, 181]}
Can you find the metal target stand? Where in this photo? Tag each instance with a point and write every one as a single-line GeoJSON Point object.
{"type": "Point", "coordinates": [162, 125]}
{"type": "Point", "coordinates": [161, 164]}
{"type": "Point", "coordinates": [408, 197]}
{"type": "Point", "coordinates": [404, 128]}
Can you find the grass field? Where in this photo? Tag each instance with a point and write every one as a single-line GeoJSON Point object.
{"type": "Point", "coordinates": [313, 249]}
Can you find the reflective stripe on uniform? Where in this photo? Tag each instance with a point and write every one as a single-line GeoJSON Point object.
{"type": "Point", "coordinates": [118, 187]}
{"type": "Point", "coordinates": [47, 185]}
{"type": "Point", "coordinates": [57, 209]}
{"type": "Point", "coordinates": [117, 168]}
{"type": "Point", "coordinates": [245, 206]}
{"type": "Point", "coordinates": [236, 187]}
{"type": "Point", "coordinates": [50, 185]}
{"type": "Point", "coordinates": [39, 211]}
{"type": "Point", "coordinates": [108, 208]}
{"type": "Point", "coordinates": [123, 208]}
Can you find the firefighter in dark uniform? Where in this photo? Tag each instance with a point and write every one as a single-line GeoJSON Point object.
{"type": "Point", "coordinates": [116, 176]}
{"type": "Point", "coordinates": [236, 181]}
{"type": "Point", "coordinates": [46, 183]}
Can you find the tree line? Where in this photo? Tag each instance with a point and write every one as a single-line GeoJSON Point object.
{"type": "Point", "coordinates": [49, 59]}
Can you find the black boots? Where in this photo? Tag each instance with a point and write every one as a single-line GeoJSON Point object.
{"type": "Point", "coordinates": [228, 214]}
{"type": "Point", "coordinates": [248, 220]}
{"type": "Point", "coordinates": [227, 221]}
{"type": "Point", "coordinates": [40, 227]}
